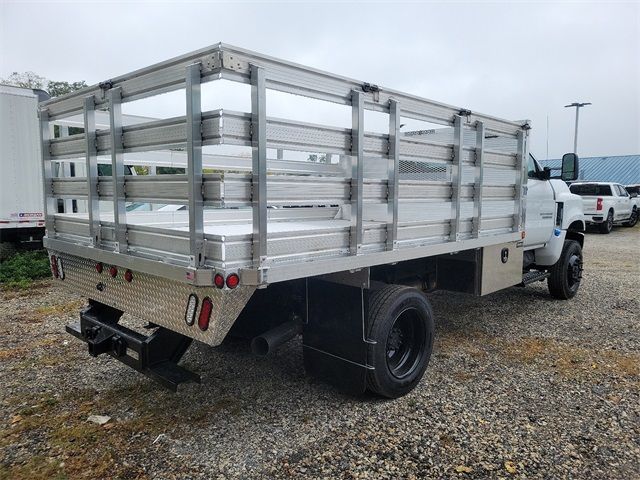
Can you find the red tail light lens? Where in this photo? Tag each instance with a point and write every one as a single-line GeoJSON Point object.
{"type": "Point", "coordinates": [99, 267]}
{"type": "Point", "coordinates": [113, 271]}
{"type": "Point", "coordinates": [218, 280]}
{"type": "Point", "coordinates": [599, 204]}
{"type": "Point", "coordinates": [128, 276]}
{"type": "Point", "coordinates": [205, 314]}
{"type": "Point", "coordinates": [54, 266]}
{"type": "Point", "coordinates": [233, 280]}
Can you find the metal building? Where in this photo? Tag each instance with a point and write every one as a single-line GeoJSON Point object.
{"type": "Point", "coordinates": [623, 169]}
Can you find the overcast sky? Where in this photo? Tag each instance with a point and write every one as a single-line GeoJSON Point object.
{"type": "Point", "coordinates": [516, 60]}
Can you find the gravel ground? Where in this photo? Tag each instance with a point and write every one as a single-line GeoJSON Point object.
{"type": "Point", "coordinates": [519, 386]}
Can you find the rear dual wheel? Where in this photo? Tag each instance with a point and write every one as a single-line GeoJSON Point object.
{"type": "Point", "coordinates": [402, 327]}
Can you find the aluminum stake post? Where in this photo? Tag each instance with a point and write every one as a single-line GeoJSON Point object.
{"type": "Point", "coordinates": [357, 170]}
{"type": "Point", "coordinates": [117, 170]}
{"type": "Point", "coordinates": [259, 164]}
{"type": "Point", "coordinates": [194, 165]}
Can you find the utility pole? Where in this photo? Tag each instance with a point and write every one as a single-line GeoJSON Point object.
{"type": "Point", "coordinates": [547, 137]}
{"type": "Point", "coordinates": [575, 138]}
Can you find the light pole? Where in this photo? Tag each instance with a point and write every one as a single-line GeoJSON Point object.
{"type": "Point", "coordinates": [577, 105]}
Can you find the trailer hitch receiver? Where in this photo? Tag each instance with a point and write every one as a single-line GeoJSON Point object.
{"type": "Point", "coordinates": [156, 355]}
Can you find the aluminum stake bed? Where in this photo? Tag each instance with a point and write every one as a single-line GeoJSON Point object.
{"type": "Point", "coordinates": [245, 244]}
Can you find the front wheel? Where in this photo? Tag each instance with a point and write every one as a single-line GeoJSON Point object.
{"type": "Point", "coordinates": [402, 327]}
{"type": "Point", "coordinates": [607, 225]}
{"type": "Point", "coordinates": [633, 219]}
{"type": "Point", "coordinates": [566, 274]}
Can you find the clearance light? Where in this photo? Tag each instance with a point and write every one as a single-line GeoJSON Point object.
{"type": "Point", "coordinates": [218, 280]}
{"type": "Point", "coordinates": [128, 276]}
{"type": "Point", "coordinates": [60, 269]}
{"type": "Point", "coordinates": [190, 312]}
{"type": "Point", "coordinates": [113, 271]}
{"type": "Point", "coordinates": [54, 266]}
{"type": "Point", "coordinates": [233, 280]}
{"type": "Point", "coordinates": [99, 267]}
{"type": "Point", "coordinates": [205, 314]}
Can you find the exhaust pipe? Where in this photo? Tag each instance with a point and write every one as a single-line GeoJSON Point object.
{"type": "Point", "coordinates": [272, 339]}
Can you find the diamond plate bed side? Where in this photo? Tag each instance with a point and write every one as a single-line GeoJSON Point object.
{"type": "Point", "coordinates": [155, 299]}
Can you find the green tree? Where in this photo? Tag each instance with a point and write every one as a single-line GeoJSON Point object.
{"type": "Point", "coordinates": [25, 80]}
{"type": "Point", "coordinates": [33, 80]}
{"type": "Point", "coordinates": [57, 89]}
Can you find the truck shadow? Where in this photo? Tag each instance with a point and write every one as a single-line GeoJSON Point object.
{"type": "Point", "coordinates": [237, 383]}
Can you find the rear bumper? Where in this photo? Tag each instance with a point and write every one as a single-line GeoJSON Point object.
{"type": "Point", "coordinates": [156, 355]}
{"type": "Point", "coordinates": [594, 218]}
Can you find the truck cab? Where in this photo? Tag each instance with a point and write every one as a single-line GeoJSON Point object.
{"type": "Point", "coordinates": [550, 205]}
{"type": "Point", "coordinates": [554, 222]}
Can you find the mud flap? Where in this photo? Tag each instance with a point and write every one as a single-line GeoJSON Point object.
{"type": "Point", "coordinates": [156, 355]}
{"type": "Point", "coordinates": [334, 344]}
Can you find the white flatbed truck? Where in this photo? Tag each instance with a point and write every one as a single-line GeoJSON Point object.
{"type": "Point", "coordinates": [341, 251]}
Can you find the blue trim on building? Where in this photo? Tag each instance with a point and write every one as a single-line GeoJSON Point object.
{"type": "Point", "coordinates": [624, 169]}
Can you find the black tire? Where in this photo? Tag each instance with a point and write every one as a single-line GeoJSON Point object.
{"type": "Point", "coordinates": [401, 323]}
{"type": "Point", "coordinates": [633, 219]}
{"type": "Point", "coordinates": [566, 274]}
{"type": "Point", "coordinates": [607, 225]}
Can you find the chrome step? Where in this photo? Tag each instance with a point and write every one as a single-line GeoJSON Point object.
{"type": "Point", "coordinates": [534, 276]}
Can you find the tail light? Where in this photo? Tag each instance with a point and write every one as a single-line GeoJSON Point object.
{"type": "Point", "coordinates": [60, 268]}
{"type": "Point", "coordinates": [128, 276]}
{"type": "Point", "coordinates": [99, 267]}
{"type": "Point", "coordinates": [233, 280]}
{"type": "Point", "coordinates": [190, 312]}
{"type": "Point", "coordinates": [205, 314]}
{"type": "Point", "coordinates": [218, 280]}
{"type": "Point", "coordinates": [599, 204]}
{"type": "Point", "coordinates": [113, 271]}
{"type": "Point", "coordinates": [54, 266]}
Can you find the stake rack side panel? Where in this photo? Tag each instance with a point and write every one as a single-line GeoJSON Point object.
{"type": "Point", "coordinates": [376, 198]}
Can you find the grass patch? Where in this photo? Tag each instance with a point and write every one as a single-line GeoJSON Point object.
{"type": "Point", "coordinates": [61, 309]}
{"type": "Point", "coordinates": [26, 350]}
{"type": "Point", "coordinates": [570, 361]}
{"type": "Point", "coordinates": [71, 447]}
{"type": "Point", "coordinates": [23, 268]}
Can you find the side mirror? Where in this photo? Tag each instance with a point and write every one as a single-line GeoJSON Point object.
{"type": "Point", "coordinates": [545, 174]}
{"type": "Point", "coordinates": [633, 195]}
{"type": "Point", "coordinates": [569, 167]}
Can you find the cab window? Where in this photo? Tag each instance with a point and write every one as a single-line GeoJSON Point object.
{"type": "Point", "coordinates": [532, 168]}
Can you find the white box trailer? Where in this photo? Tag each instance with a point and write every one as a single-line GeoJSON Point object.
{"type": "Point", "coordinates": [21, 201]}
{"type": "Point", "coordinates": [340, 250]}
{"type": "Point", "coordinates": [21, 194]}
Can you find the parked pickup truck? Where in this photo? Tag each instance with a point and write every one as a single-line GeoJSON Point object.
{"type": "Point", "coordinates": [607, 204]}
{"type": "Point", "coordinates": [634, 193]}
